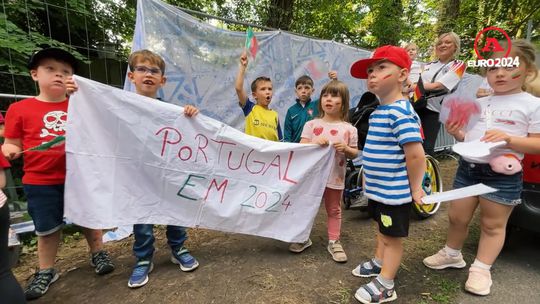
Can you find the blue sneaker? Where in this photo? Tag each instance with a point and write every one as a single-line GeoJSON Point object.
{"type": "Point", "coordinates": [139, 276]}
{"type": "Point", "coordinates": [186, 261]}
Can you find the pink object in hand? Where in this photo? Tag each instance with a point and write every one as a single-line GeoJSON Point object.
{"type": "Point", "coordinates": [507, 164]}
{"type": "Point", "coordinates": [461, 111]}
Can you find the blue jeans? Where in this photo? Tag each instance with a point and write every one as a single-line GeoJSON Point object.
{"type": "Point", "coordinates": [508, 186]}
{"type": "Point", "coordinates": [143, 247]}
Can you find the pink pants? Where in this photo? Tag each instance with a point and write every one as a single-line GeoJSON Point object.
{"type": "Point", "coordinates": [332, 202]}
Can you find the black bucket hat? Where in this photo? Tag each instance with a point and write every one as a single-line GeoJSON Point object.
{"type": "Point", "coordinates": [54, 53]}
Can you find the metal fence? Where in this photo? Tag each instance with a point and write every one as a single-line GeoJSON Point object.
{"type": "Point", "coordinates": [103, 54]}
{"type": "Point", "coordinates": [444, 141]}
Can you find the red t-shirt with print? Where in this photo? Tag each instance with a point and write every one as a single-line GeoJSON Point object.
{"type": "Point", "coordinates": [36, 122]}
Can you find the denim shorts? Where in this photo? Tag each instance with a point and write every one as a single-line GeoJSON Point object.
{"type": "Point", "coordinates": [46, 207]}
{"type": "Point", "coordinates": [509, 186]}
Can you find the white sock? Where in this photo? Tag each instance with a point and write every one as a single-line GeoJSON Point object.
{"type": "Point", "coordinates": [385, 282]}
{"type": "Point", "coordinates": [481, 265]}
{"type": "Point", "coordinates": [452, 252]}
{"type": "Point", "coordinates": [389, 284]}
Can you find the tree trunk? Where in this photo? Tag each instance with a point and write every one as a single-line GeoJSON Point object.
{"type": "Point", "coordinates": [280, 14]}
{"type": "Point", "coordinates": [387, 22]}
{"type": "Point", "coordinates": [448, 14]}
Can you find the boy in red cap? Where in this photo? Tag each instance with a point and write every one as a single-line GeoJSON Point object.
{"type": "Point", "coordinates": [394, 166]}
{"type": "Point", "coordinates": [32, 122]}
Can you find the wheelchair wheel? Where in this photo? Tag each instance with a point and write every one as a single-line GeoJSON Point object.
{"type": "Point", "coordinates": [432, 183]}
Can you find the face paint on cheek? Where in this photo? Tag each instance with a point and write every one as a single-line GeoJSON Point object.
{"type": "Point", "coordinates": [387, 76]}
{"type": "Point", "coordinates": [516, 75]}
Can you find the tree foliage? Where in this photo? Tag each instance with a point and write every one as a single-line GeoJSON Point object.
{"type": "Point", "coordinates": [90, 25]}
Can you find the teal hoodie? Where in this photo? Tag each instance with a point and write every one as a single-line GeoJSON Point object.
{"type": "Point", "coordinates": [297, 116]}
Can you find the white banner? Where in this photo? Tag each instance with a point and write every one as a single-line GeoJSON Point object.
{"type": "Point", "coordinates": [132, 159]}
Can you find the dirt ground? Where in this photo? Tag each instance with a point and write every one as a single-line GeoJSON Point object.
{"type": "Point", "coordinates": [246, 269]}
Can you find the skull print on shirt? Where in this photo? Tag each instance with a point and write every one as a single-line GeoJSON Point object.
{"type": "Point", "coordinates": [54, 124]}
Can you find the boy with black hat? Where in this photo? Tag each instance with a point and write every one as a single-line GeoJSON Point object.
{"type": "Point", "coordinates": [30, 123]}
{"type": "Point", "coordinates": [394, 164]}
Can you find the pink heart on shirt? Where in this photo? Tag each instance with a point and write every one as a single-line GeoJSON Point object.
{"type": "Point", "coordinates": [334, 132]}
{"type": "Point", "coordinates": [318, 131]}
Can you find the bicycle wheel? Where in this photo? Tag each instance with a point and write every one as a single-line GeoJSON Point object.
{"type": "Point", "coordinates": [432, 183]}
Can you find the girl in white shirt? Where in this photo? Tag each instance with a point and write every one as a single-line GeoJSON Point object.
{"type": "Point", "coordinates": [509, 115]}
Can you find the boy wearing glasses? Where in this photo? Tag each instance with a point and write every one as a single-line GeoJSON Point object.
{"type": "Point", "coordinates": [147, 71]}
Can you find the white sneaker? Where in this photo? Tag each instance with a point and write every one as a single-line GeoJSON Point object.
{"type": "Point", "coordinates": [479, 281]}
{"type": "Point", "coordinates": [442, 260]}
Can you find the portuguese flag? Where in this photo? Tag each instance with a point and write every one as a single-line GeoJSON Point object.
{"type": "Point", "coordinates": [57, 141]}
{"type": "Point", "coordinates": [251, 42]}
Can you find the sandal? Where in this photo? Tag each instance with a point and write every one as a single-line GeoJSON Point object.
{"type": "Point", "coordinates": [364, 272]}
{"type": "Point", "coordinates": [337, 252]}
{"type": "Point", "coordinates": [370, 289]}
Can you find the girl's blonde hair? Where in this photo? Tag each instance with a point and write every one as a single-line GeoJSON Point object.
{"type": "Point", "coordinates": [410, 44]}
{"type": "Point", "coordinates": [336, 88]}
{"type": "Point", "coordinates": [526, 53]}
{"type": "Point", "coordinates": [455, 39]}
{"type": "Point", "coordinates": [533, 86]}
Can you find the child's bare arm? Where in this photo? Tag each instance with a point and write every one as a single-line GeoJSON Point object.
{"type": "Point", "coordinates": [529, 145]}
{"type": "Point", "coordinates": [11, 148]}
{"type": "Point", "coordinates": [239, 83]}
{"type": "Point", "coordinates": [2, 184]}
{"type": "Point", "coordinates": [416, 167]}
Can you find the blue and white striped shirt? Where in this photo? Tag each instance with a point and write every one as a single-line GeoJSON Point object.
{"type": "Point", "coordinates": [390, 127]}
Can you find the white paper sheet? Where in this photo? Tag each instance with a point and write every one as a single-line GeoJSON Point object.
{"type": "Point", "coordinates": [476, 148]}
{"type": "Point", "coordinates": [455, 194]}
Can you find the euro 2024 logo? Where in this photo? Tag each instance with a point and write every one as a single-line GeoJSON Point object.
{"type": "Point", "coordinates": [492, 45]}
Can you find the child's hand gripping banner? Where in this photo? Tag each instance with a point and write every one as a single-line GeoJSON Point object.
{"type": "Point", "coordinates": [132, 159]}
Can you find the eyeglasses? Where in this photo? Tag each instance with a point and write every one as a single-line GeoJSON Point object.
{"type": "Point", "coordinates": [144, 70]}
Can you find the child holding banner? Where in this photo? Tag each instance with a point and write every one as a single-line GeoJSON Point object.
{"type": "Point", "coordinates": [509, 115]}
{"type": "Point", "coordinates": [147, 71]}
{"type": "Point", "coordinates": [333, 128]}
{"type": "Point", "coordinates": [394, 166]}
{"type": "Point", "coordinates": [30, 123]}
{"type": "Point", "coordinates": [261, 121]}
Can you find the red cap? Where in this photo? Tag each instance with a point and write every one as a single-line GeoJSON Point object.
{"type": "Point", "coordinates": [394, 54]}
